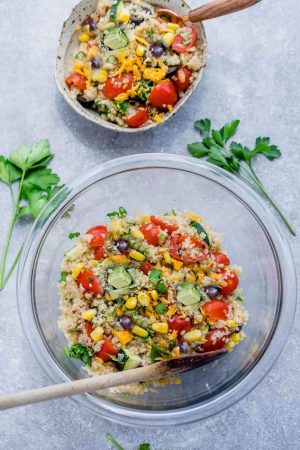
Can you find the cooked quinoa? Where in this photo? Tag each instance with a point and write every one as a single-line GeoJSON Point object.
{"type": "Point", "coordinates": [130, 66]}
{"type": "Point", "coordinates": [141, 289]}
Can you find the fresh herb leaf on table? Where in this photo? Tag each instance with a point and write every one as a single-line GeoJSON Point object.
{"type": "Point", "coordinates": [235, 158]}
{"type": "Point", "coordinates": [36, 185]}
{"type": "Point", "coordinates": [144, 446]}
{"type": "Point", "coordinates": [121, 213]}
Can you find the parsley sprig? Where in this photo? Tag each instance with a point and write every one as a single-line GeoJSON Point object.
{"type": "Point", "coordinates": [235, 157]}
{"type": "Point", "coordinates": [36, 185]}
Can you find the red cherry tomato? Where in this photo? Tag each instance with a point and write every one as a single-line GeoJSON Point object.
{"type": "Point", "coordinates": [138, 119]}
{"type": "Point", "coordinates": [215, 340]}
{"type": "Point", "coordinates": [106, 350]}
{"type": "Point", "coordinates": [184, 39]}
{"type": "Point", "coordinates": [182, 79]}
{"type": "Point", "coordinates": [163, 225]}
{"type": "Point", "coordinates": [163, 94]}
{"type": "Point", "coordinates": [232, 280]}
{"type": "Point", "coordinates": [178, 323]}
{"type": "Point", "coordinates": [88, 328]}
{"type": "Point", "coordinates": [100, 253]}
{"type": "Point", "coordinates": [151, 233]}
{"type": "Point", "coordinates": [186, 255]}
{"type": "Point", "coordinates": [146, 267]}
{"type": "Point", "coordinates": [77, 81]}
{"type": "Point", "coordinates": [89, 282]}
{"type": "Point", "coordinates": [222, 259]}
{"type": "Point", "coordinates": [117, 85]}
{"type": "Point", "coordinates": [99, 234]}
{"type": "Point", "coordinates": [217, 309]}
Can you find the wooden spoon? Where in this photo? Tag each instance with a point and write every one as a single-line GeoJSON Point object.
{"type": "Point", "coordinates": [154, 371]}
{"type": "Point", "coordinates": [210, 10]}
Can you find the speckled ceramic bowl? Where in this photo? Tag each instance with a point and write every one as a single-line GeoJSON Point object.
{"type": "Point", "coordinates": [67, 46]}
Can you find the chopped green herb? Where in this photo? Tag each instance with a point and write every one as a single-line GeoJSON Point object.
{"type": "Point", "coordinates": [101, 108]}
{"type": "Point", "coordinates": [121, 213]}
{"type": "Point", "coordinates": [144, 89]}
{"type": "Point", "coordinates": [161, 288]}
{"type": "Point", "coordinates": [240, 298]}
{"type": "Point", "coordinates": [161, 235]}
{"type": "Point", "coordinates": [122, 106]}
{"type": "Point", "coordinates": [157, 352]}
{"type": "Point", "coordinates": [114, 442]}
{"type": "Point", "coordinates": [80, 55]}
{"type": "Point", "coordinates": [155, 275]}
{"type": "Point", "coordinates": [161, 308]}
{"type": "Point", "coordinates": [151, 34]}
{"type": "Point", "coordinates": [201, 231]}
{"type": "Point", "coordinates": [63, 276]}
{"type": "Point", "coordinates": [144, 446]}
{"type": "Point", "coordinates": [74, 235]}
{"type": "Point", "coordinates": [80, 351]}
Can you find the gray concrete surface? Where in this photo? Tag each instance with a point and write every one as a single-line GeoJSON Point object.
{"type": "Point", "coordinates": [253, 74]}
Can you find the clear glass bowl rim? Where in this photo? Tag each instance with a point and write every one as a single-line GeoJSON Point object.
{"type": "Point", "coordinates": [272, 229]}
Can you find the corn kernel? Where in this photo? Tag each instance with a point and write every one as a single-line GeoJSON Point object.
{"type": "Point", "coordinates": [211, 322]}
{"type": "Point", "coordinates": [193, 336]}
{"type": "Point", "coordinates": [89, 314]}
{"type": "Point", "coordinates": [203, 312]}
{"type": "Point", "coordinates": [140, 50]}
{"type": "Point", "coordinates": [137, 255]}
{"type": "Point", "coordinates": [235, 337]}
{"type": "Point", "coordinates": [131, 303]}
{"type": "Point", "coordinates": [145, 218]}
{"type": "Point", "coordinates": [121, 97]}
{"type": "Point", "coordinates": [177, 264]}
{"type": "Point", "coordinates": [173, 26]}
{"type": "Point", "coordinates": [193, 216]}
{"type": "Point", "coordinates": [172, 310]}
{"type": "Point", "coordinates": [141, 40]}
{"type": "Point", "coordinates": [92, 52]}
{"type": "Point", "coordinates": [158, 118]}
{"type": "Point", "coordinates": [76, 271]}
{"type": "Point", "coordinates": [231, 323]}
{"type": "Point", "coordinates": [168, 39]}
{"type": "Point", "coordinates": [137, 234]}
{"type": "Point", "coordinates": [97, 334]}
{"type": "Point", "coordinates": [84, 37]}
{"type": "Point", "coordinates": [144, 299]}
{"type": "Point", "coordinates": [167, 257]}
{"type": "Point", "coordinates": [175, 352]}
{"type": "Point", "coordinates": [160, 327]}
{"type": "Point", "coordinates": [139, 331]}
{"type": "Point", "coordinates": [229, 346]}
{"type": "Point", "coordinates": [172, 336]}
{"type": "Point", "coordinates": [154, 295]}
{"type": "Point", "coordinates": [191, 278]}
{"type": "Point", "coordinates": [119, 259]}
{"type": "Point", "coordinates": [99, 75]}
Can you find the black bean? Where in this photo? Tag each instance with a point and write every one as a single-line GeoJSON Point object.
{"type": "Point", "coordinates": [184, 347]}
{"type": "Point", "coordinates": [212, 291]}
{"type": "Point", "coordinates": [123, 246]}
{"type": "Point", "coordinates": [95, 63]}
{"type": "Point", "coordinates": [125, 321]}
{"type": "Point", "coordinates": [88, 104]}
{"type": "Point", "coordinates": [172, 70]}
{"type": "Point", "coordinates": [93, 26]}
{"type": "Point", "coordinates": [135, 20]}
{"type": "Point", "coordinates": [157, 49]}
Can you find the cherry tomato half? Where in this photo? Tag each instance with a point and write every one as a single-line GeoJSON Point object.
{"type": "Point", "coordinates": [99, 234]}
{"type": "Point", "coordinates": [186, 255]}
{"type": "Point", "coordinates": [106, 350]}
{"type": "Point", "coordinates": [88, 327]}
{"type": "Point", "coordinates": [170, 227]}
{"type": "Point", "coordinates": [146, 267]}
{"type": "Point", "coordinates": [163, 94]}
{"type": "Point", "coordinates": [138, 119]}
{"type": "Point", "coordinates": [217, 309]}
{"type": "Point", "coordinates": [178, 323]}
{"type": "Point", "coordinates": [89, 282]}
{"type": "Point", "coordinates": [152, 233]}
{"type": "Point", "coordinates": [232, 280]}
{"type": "Point", "coordinates": [215, 340]}
{"type": "Point", "coordinates": [77, 81]}
{"type": "Point", "coordinates": [117, 85]}
{"type": "Point", "coordinates": [100, 253]}
{"type": "Point", "coordinates": [222, 259]}
{"type": "Point", "coordinates": [184, 39]}
{"type": "Point", "coordinates": [182, 79]}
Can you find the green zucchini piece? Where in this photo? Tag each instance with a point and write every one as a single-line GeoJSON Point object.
{"type": "Point", "coordinates": [115, 38]}
{"type": "Point", "coordinates": [113, 10]}
{"type": "Point", "coordinates": [201, 230]}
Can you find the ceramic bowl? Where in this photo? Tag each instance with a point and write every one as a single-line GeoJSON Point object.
{"type": "Point", "coordinates": [67, 47]}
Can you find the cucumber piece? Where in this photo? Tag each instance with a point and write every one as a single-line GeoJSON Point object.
{"type": "Point", "coordinates": [118, 277]}
{"type": "Point", "coordinates": [115, 38]}
{"type": "Point", "coordinates": [201, 230]}
{"type": "Point", "coordinates": [113, 10]}
{"type": "Point", "coordinates": [127, 360]}
{"type": "Point", "coordinates": [117, 293]}
{"type": "Point", "coordinates": [188, 294]}
{"type": "Point", "coordinates": [75, 252]}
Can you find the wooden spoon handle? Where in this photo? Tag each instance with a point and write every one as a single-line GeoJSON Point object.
{"type": "Point", "coordinates": [218, 8]}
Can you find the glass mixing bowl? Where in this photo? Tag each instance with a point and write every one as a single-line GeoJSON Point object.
{"type": "Point", "coordinates": [156, 183]}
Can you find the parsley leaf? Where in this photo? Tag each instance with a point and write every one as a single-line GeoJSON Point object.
{"type": "Point", "coordinates": [63, 276]}
{"type": "Point", "coordinates": [36, 201]}
{"type": "Point", "coordinates": [144, 446]}
{"type": "Point", "coordinates": [262, 145]}
{"type": "Point", "coordinates": [114, 442]}
{"type": "Point", "coordinates": [40, 179]}
{"type": "Point", "coordinates": [80, 351]}
{"type": "Point", "coordinates": [31, 157]}
{"type": "Point", "coordinates": [122, 106]}
{"type": "Point", "coordinates": [155, 275]}
{"type": "Point", "coordinates": [198, 149]}
{"type": "Point", "coordinates": [8, 172]}
{"type": "Point", "coordinates": [121, 213]}
{"type": "Point", "coordinates": [201, 231]}
{"type": "Point", "coordinates": [143, 90]}
{"type": "Point", "coordinates": [203, 125]}
{"type": "Point", "coordinates": [161, 308]}
{"type": "Point", "coordinates": [157, 352]}
{"type": "Point", "coordinates": [229, 130]}
{"type": "Point", "coordinates": [74, 235]}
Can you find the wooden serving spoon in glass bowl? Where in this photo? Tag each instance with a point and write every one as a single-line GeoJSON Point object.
{"type": "Point", "coordinates": [216, 8]}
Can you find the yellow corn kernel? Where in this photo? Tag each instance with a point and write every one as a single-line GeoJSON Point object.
{"type": "Point", "coordinates": [191, 278]}
{"type": "Point", "coordinates": [137, 255]}
{"type": "Point", "coordinates": [158, 118]}
{"type": "Point", "coordinates": [76, 271]}
{"type": "Point", "coordinates": [98, 360]}
{"type": "Point", "coordinates": [173, 26]}
{"type": "Point", "coordinates": [141, 40]}
{"type": "Point", "coordinates": [140, 50]}
{"type": "Point", "coordinates": [167, 257]}
{"type": "Point", "coordinates": [203, 312]}
{"type": "Point", "coordinates": [139, 331]}
{"type": "Point", "coordinates": [177, 264]}
{"type": "Point", "coordinates": [137, 234]}
{"type": "Point", "coordinates": [196, 268]}
{"type": "Point", "coordinates": [123, 336]}
{"type": "Point", "coordinates": [124, 16]}
{"type": "Point", "coordinates": [97, 334]}
{"type": "Point", "coordinates": [154, 295]}
{"type": "Point", "coordinates": [160, 327]}
{"type": "Point", "coordinates": [193, 336]}
{"type": "Point", "coordinates": [121, 97]}
{"type": "Point", "coordinates": [193, 216]}
{"type": "Point", "coordinates": [235, 337]}
{"type": "Point", "coordinates": [89, 314]}
{"type": "Point", "coordinates": [145, 218]}
{"type": "Point", "coordinates": [231, 323]}
{"type": "Point", "coordinates": [165, 271]}
{"type": "Point", "coordinates": [172, 310]}
{"type": "Point", "coordinates": [144, 299]}
{"type": "Point", "coordinates": [131, 303]}
{"type": "Point", "coordinates": [168, 39]}
{"type": "Point", "coordinates": [172, 335]}
{"type": "Point", "coordinates": [214, 275]}
{"type": "Point", "coordinates": [99, 75]}
{"type": "Point", "coordinates": [84, 37]}
{"type": "Point", "coordinates": [229, 346]}
{"type": "Point", "coordinates": [92, 52]}
{"type": "Point", "coordinates": [175, 352]}
{"type": "Point", "coordinates": [211, 322]}
{"type": "Point", "coordinates": [119, 259]}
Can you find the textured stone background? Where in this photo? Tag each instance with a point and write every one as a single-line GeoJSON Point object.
{"type": "Point", "coordinates": [253, 74]}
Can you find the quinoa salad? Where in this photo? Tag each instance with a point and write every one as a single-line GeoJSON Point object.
{"type": "Point", "coordinates": [131, 66]}
{"type": "Point", "coordinates": [138, 290]}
